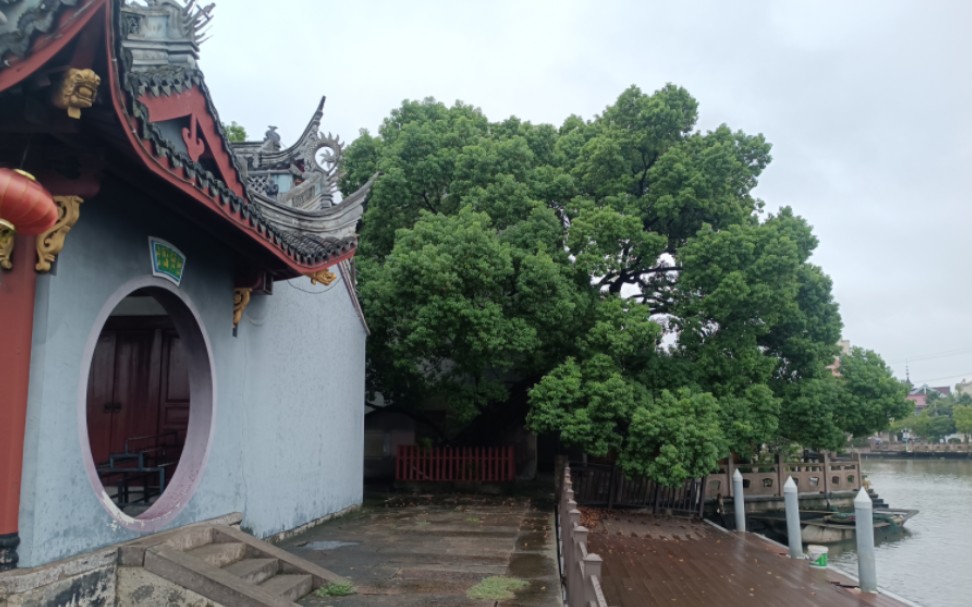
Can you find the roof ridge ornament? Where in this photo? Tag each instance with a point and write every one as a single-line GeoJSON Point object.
{"type": "Point", "coordinates": [164, 32]}
{"type": "Point", "coordinates": [22, 22]}
{"type": "Point", "coordinates": [303, 176]}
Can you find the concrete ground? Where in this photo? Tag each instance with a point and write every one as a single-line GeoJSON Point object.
{"type": "Point", "coordinates": [431, 550]}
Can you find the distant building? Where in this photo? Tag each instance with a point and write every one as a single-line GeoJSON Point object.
{"type": "Point", "coordinates": [964, 388]}
{"type": "Point", "coordinates": [845, 348]}
{"type": "Point", "coordinates": [919, 395]}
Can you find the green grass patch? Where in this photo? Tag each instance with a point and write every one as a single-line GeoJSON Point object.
{"type": "Point", "coordinates": [336, 589]}
{"type": "Point", "coordinates": [496, 588]}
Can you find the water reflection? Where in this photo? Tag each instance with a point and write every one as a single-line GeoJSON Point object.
{"type": "Point", "coordinates": [881, 537]}
{"type": "Point", "coordinates": [928, 563]}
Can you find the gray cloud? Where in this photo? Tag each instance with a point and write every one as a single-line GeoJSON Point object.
{"type": "Point", "coordinates": [868, 105]}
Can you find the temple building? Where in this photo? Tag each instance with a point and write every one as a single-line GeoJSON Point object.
{"type": "Point", "coordinates": [185, 341]}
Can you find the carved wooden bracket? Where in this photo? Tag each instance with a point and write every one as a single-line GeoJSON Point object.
{"type": "Point", "coordinates": [325, 277]}
{"type": "Point", "coordinates": [241, 299]}
{"type": "Point", "coordinates": [77, 91]}
{"type": "Point", "coordinates": [194, 145]}
{"type": "Point", "coordinates": [51, 243]}
{"type": "Point", "coordinates": [6, 244]}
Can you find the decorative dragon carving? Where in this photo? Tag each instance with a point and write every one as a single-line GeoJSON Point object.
{"type": "Point", "coordinates": [77, 91]}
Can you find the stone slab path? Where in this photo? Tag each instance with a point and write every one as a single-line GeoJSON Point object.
{"type": "Point", "coordinates": [430, 550]}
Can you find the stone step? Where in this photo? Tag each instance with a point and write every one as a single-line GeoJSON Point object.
{"type": "Point", "coordinates": [219, 554]}
{"type": "Point", "coordinates": [292, 586]}
{"type": "Point", "coordinates": [234, 569]}
{"type": "Point", "coordinates": [254, 570]}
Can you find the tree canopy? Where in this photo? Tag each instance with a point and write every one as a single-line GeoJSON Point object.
{"type": "Point", "coordinates": [616, 275]}
{"type": "Point", "coordinates": [942, 415]}
{"type": "Point", "coordinates": [235, 132]}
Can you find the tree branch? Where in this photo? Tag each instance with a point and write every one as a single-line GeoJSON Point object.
{"type": "Point", "coordinates": [659, 269]}
{"type": "Point", "coordinates": [428, 203]}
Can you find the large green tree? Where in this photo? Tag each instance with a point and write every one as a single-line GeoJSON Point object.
{"type": "Point", "coordinates": [616, 274]}
{"type": "Point", "coordinates": [962, 418]}
{"type": "Point", "coordinates": [861, 399]}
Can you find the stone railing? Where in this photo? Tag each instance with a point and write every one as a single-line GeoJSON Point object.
{"type": "Point", "coordinates": [766, 480]}
{"type": "Point", "coordinates": [922, 448]}
{"type": "Point", "coordinates": [582, 570]}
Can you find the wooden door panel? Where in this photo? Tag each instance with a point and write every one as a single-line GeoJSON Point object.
{"type": "Point", "coordinates": [176, 418]}
{"type": "Point", "coordinates": [136, 387]}
{"type": "Point", "coordinates": [175, 371]}
{"type": "Point", "coordinates": [174, 397]}
{"type": "Point", "coordinates": [101, 405]}
{"type": "Point", "coordinates": [174, 400]}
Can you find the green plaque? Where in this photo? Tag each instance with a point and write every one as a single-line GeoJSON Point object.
{"type": "Point", "coordinates": [167, 261]}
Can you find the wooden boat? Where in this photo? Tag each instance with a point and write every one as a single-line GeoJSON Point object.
{"type": "Point", "coordinates": [825, 527]}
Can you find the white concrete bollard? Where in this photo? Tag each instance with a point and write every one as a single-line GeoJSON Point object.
{"type": "Point", "coordinates": [791, 502]}
{"type": "Point", "coordinates": [738, 500]}
{"type": "Point", "coordinates": [864, 521]}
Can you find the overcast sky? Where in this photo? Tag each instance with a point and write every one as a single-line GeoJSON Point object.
{"type": "Point", "coordinates": [868, 106]}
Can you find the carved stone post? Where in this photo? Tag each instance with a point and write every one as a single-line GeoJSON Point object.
{"type": "Point", "coordinates": [575, 581]}
{"type": "Point", "coordinates": [826, 475]}
{"type": "Point", "coordinates": [592, 569]}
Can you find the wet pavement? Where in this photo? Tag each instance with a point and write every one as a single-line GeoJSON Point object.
{"type": "Point", "coordinates": [653, 561]}
{"type": "Point", "coordinates": [431, 550]}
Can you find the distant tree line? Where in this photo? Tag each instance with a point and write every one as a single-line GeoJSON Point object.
{"type": "Point", "coordinates": [943, 415]}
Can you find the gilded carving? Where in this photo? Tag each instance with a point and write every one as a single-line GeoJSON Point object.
{"type": "Point", "coordinates": [325, 277]}
{"type": "Point", "coordinates": [77, 92]}
{"type": "Point", "coordinates": [6, 244]}
{"type": "Point", "coordinates": [51, 243]}
{"type": "Point", "coordinates": [241, 299]}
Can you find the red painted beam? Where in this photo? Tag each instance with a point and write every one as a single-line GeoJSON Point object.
{"type": "Point", "coordinates": [17, 289]}
{"type": "Point", "coordinates": [192, 103]}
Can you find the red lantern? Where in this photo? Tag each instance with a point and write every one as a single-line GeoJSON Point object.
{"type": "Point", "coordinates": [25, 205]}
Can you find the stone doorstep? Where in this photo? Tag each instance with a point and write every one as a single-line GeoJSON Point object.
{"type": "Point", "coordinates": [21, 581]}
{"type": "Point", "coordinates": [289, 562]}
{"type": "Point", "coordinates": [208, 581]}
{"type": "Point", "coordinates": [219, 554]}
{"type": "Point", "coordinates": [254, 570]}
{"type": "Point", "coordinates": [169, 555]}
{"type": "Point", "coordinates": [199, 569]}
{"type": "Point", "coordinates": [132, 554]}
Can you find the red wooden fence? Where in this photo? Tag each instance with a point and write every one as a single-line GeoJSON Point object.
{"type": "Point", "coordinates": [450, 464]}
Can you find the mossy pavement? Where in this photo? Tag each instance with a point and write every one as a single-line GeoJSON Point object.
{"type": "Point", "coordinates": [412, 550]}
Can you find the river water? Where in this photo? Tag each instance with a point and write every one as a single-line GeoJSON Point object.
{"type": "Point", "coordinates": [930, 563]}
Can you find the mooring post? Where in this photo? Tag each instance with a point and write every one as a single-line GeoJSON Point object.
{"type": "Point", "coordinates": [739, 500]}
{"type": "Point", "coordinates": [864, 521]}
{"type": "Point", "coordinates": [791, 501]}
